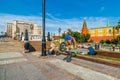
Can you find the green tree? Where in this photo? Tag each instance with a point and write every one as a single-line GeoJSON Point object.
{"type": "Point", "coordinates": [87, 37]}
{"type": "Point", "coordinates": [78, 37]}
{"type": "Point", "coordinates": [118, 39]}
{"type": "Point", "coordinates": [102, 41]}
{"type": "Point", "coordinates": [114, 41]}
{"type": "Point", "coordinates": [118, 26]}
{"type": "Point", "coordinates": [63, 35]}
{"type": "Point", "coordinates": [107, 41]}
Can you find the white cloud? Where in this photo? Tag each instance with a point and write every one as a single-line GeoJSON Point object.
{"type": "Point", "coordinates": [53, 23]}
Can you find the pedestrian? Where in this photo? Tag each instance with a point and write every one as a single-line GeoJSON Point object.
{"type": "Point", "coordinates": [26, 47]}
{"type": "Point", "coordinates": [119, 47]}
{"type": "Point", "coordinates": [114, 46]}
{"type": "Point", "coordinates": [91, 50]}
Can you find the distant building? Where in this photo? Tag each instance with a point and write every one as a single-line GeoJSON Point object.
{"type": "Point", "coordinates": [103, 33]}
{"type": "Point", "coordinates": [9, 29]}
{"type": "Point", "coordinates": [84, 28]}
{"type": "Point", "coordinates": [17, 28]}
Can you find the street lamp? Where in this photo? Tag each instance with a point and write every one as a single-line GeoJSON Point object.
{"type": "Point", "coordinates": [59, 30]}
{"type": "Point", "coordinates": [26, 35]}
{"type": "Point", "coordinates": [31, 27]}
{"type": "Point", "coordinates": [43, 25]}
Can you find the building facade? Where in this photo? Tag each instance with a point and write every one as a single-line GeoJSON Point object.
{"type": "Point", "coordinates": [17, 28]}
{"type": "Point", "coordinates": [103, 33]}
{"type": "Point", "coordinates": [84, 30]}
{"type": "Point", "coordinates": [9, 29]}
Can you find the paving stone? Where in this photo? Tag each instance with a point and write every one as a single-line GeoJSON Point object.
{"type": "Point", "coordinates": [30, 67]}
{"type": "Point", "coordinates": [32, 73]}
{"type": "Point", "coordinates": [3, 62]}
{"type": "Point", "coordinates": [82, 72]}
{"type": "Point", "coordinates": [15, 73]}
{"type": "Point", "coordinates": [10, 55]}
{"type": "Point", "coordinates": [2, 74]}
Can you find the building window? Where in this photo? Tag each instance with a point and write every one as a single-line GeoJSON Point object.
{"type": "Point", "coordinates": [100, 30]}
{"type": "Point", "coordinates": [110, 31]}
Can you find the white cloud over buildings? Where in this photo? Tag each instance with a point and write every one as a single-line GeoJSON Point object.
{"type": "Point", "coordinates": [53, 23]}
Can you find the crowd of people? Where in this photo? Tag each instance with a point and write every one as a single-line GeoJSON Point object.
{"type": "Point", "coordinates": [70, 44]}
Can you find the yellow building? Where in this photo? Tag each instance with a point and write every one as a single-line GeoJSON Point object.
{"type": "Point", "coordinates": [103, 33]}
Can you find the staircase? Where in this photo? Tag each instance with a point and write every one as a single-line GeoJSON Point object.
{"type": "Point", "coordinates": [11, 46]}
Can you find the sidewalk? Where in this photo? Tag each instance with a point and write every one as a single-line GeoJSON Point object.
{"type": "Point", "coordinates": [32, 66]}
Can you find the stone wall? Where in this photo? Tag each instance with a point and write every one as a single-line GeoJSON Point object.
{"type": "Point", "coordinates": [108, 54]}
{"type": "Point", "coordinates": [37, 45]}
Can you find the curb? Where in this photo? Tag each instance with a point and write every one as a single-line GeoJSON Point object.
{"type": "Point", "coordinates": [98, 60]}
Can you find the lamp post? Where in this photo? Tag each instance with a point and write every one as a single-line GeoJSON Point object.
{"type": "Point", "coordinates": [48, 36]}
{"type": "Point", "coordinates": [59, 30]}
{"type": "Point", "coordinates": [26, 35]}
{"type": "Point", "coordinates": [43, 25]}
{"type": "Point", "coordinates": [31, 27]}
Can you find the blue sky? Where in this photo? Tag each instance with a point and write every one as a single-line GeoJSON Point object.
{"type": "Point", "coordinates": [61, 13]}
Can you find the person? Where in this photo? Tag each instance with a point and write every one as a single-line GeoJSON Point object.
{"type": "Point", "coordinates": [119, 47]}
{"type": "Point", "coordinates": [91, 50]}
{"type": "Point", "coordinates": [114, 46]}
{"type": "Point", "coordinates": [26, 47]}
{"type": "Point", "coordinates": [69, 40]}
{"type": "Point", "coordinates": [53, 49]}
{"type": "Point", "coordinates": [70, 44]}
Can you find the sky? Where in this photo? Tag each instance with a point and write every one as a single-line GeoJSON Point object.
{"type": "Point", "coordinates": [62, 14]}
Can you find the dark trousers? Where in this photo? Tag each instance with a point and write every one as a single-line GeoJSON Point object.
{"type": "Point", "coordinates": [68, 57]}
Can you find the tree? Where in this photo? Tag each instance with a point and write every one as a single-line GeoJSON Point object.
{"type": "Point", "coordinates": [102, 41]}
{"type": "Point", "coordinates": [107, 42]}
{"type": "Point", "coordinates": [118, 39]}
{"type": "Point", "coordinates": [78, 37]}
{"type": "Point", "coordinates": [114, 41]}
{"type": "Point", "coordinates": [118, 26]}
{"type": "Point", "coordinates": [87, 36]}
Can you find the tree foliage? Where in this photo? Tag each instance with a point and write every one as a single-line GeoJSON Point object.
{"type": "Point", "coordinates": [118, 26]}
{"type": "Point", "coordinates": [87, 36]}
{"type": "Point", "coordinates": [107, 41]}
{"type": "Point", "coordinates": [78, 37]}
{"type": "Point", "coordinates": [102, 41]}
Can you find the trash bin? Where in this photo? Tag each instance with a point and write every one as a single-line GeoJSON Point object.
{"type": "Point", "coordinates": [96, 46]}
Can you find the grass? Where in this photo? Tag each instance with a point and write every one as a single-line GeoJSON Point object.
{"type": "Point", "coordinates": [104, 57]}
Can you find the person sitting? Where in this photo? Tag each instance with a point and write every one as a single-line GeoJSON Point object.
{"type": "Point", "coordinates": [53, 49]}
{"type": "Point", "coordinates": [91, 50]}
{"type": "Point", "coordinates": [26, 47]}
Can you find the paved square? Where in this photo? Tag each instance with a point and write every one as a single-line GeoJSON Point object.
{"type": "Point", "coordinates": [32, 66]}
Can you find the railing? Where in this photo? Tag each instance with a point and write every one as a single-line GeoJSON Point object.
{"type": "Point", "coordinates": [35, 38]}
